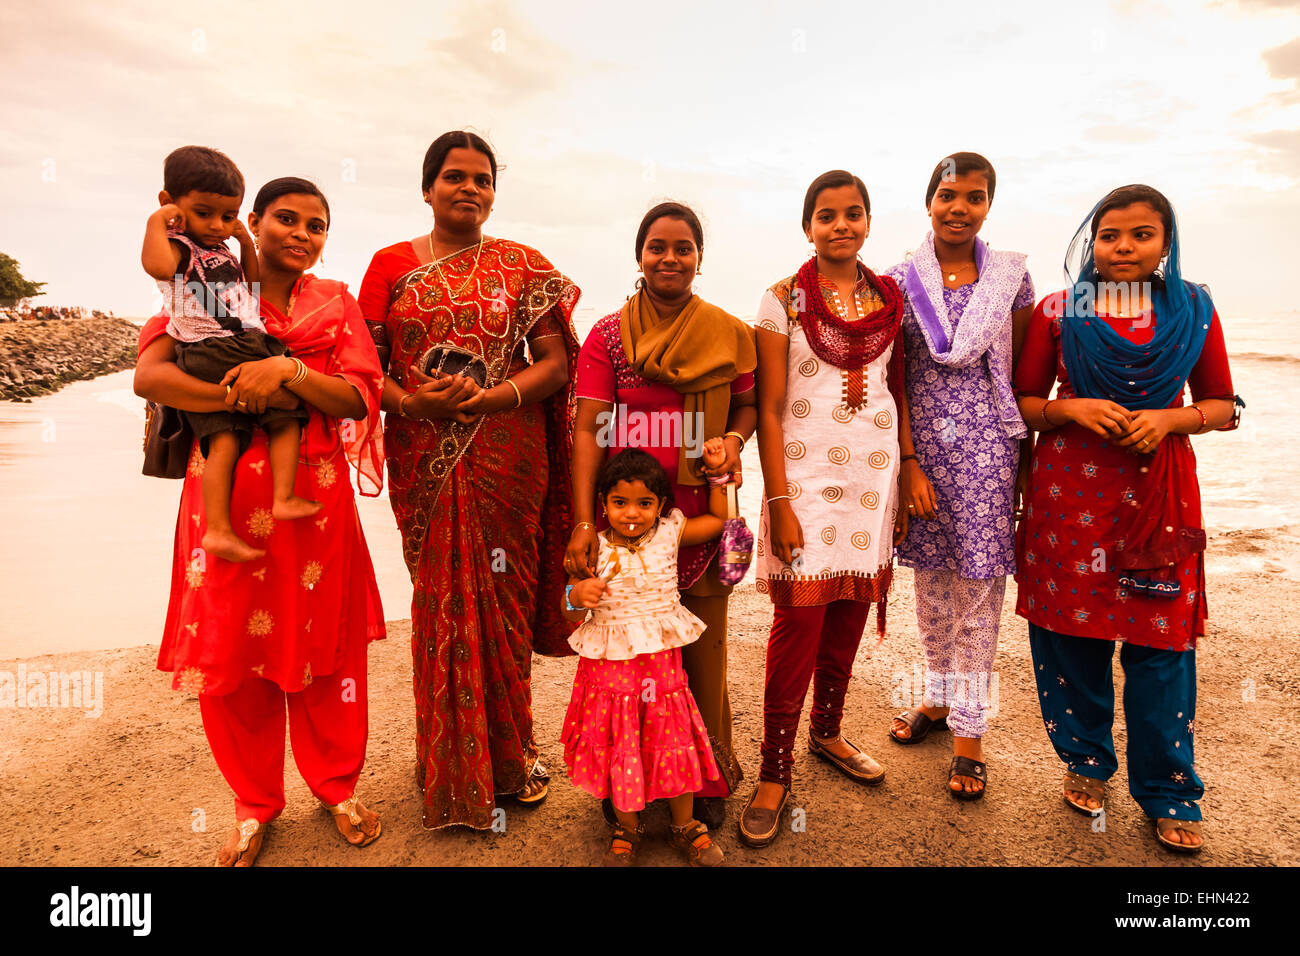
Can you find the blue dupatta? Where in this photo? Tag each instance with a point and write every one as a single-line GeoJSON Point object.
{"type": "Point", "coordinates": [1102, 363]}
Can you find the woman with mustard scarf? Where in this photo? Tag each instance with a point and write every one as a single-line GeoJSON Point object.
{"type": "Point", "coordinates": [666, 373]}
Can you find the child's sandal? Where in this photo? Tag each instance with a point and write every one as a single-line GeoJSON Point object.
{"type": "Point", "coordinates": [693, 839]}
{"type": "Point", "coordinates": [623, 844]}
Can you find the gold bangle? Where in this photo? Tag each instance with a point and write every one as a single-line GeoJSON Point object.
{"type": "Point", "coordinates": [300, 375]}
{"type": "Point", "coordinates": [519, 397]}
{"type": "Point", "coordinates": [401, 406]}
{"type": "Point", "coordinates": [738, 435]}
{"type": "Point", "coordinates": [584, 524]}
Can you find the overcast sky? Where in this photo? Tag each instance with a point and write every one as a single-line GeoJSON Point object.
{"type": "Point", "coordinates": [598, 110]}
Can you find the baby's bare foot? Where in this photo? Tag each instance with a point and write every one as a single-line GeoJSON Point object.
{"type": "Point", "coordinates": [294, 507]}
{"type": "Point", "coordinates": [229, 546]}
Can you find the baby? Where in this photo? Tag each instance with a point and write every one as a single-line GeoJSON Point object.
{"type": "Point", "coordinates": [215, 322]}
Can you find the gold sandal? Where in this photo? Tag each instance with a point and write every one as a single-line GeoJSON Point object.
{"type": "Point", "coordinates": [348, 808]}
{"type": "Point", "coordinates": [249, 830]}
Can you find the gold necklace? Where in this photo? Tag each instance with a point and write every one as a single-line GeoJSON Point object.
{"type": "Point", "coordinates": [952, 275]}
{"type": "Point", "coordinates": [437, 264]}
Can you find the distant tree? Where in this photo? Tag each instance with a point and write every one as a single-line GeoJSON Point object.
{"type": "Point", "coordinates": [13, 287]}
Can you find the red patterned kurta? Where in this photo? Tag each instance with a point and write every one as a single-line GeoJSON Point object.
{"type": "Point", "coordinates": [1082, 490]}
{"type": "Point", "coordinates": [289, 616]}
{"type": "Point", "coordinates": [484, 513]}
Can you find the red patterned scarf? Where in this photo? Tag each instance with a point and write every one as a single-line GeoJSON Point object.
{"type": "Point", "coordinates": [844, 344]}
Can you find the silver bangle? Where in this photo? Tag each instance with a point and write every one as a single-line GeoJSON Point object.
{"type": "Point", "coordinates": [777, 498]}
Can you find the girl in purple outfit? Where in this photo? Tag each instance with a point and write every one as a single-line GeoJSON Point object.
{"type": "Point", "coordinates": [960, 438]}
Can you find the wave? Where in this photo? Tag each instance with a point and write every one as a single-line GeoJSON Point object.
{"type": "Point", "coordinates": [1266, 357]}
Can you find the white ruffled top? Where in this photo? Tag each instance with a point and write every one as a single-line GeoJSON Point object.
{"type": "Point", "coordinates": [641, 611]}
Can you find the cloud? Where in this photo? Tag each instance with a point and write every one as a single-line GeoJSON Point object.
{"type": "Point", "coordinates": [1283, 61]}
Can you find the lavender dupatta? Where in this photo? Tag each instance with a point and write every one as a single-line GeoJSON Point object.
{"type": "Point", "coordinates": [984, 332]}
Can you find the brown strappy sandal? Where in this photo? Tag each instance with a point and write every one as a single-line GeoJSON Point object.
{"type": "Point", "coordinates": [1089, 787]}
{"type": "Point", "coordinates": [1190, 826]}
{"type": "Point", "coordinates": [693, 840]}
{"type": "Point", "coordinates": [616, 855]}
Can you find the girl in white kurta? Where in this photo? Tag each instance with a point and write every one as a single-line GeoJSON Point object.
{"type": "Point", "coordinates": [828, 441]}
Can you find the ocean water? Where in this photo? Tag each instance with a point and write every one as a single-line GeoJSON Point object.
{"type": "Point", "coordinates": [86, 555]}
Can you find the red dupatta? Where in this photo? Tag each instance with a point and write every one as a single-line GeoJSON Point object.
{"type": "Point", "coordinates": [845, 344]}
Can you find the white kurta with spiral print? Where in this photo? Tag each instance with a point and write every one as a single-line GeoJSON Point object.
{"type": "Point", "coordinates": [841, 467]}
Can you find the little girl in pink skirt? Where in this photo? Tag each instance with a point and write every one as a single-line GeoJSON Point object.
{"type": "Point", "coordinates": [633, 732]}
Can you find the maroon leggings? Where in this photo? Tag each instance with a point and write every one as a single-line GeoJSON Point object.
{"type": "Point", "coordinates": [814, 643]}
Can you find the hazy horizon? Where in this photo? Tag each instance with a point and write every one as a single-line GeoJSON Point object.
{"type": "Point", "coordinates": [596, 115]}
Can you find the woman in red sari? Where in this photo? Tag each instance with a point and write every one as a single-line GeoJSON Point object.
{"type": "Point", "coordinates": [479, 473]}
{"type": "Point", "coordinates": [291, 629]}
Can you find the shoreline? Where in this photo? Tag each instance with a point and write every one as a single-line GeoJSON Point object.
{"type": "Point", "coordinates": [67, 776]}
{"type": "Point", "coordinates": [40, 356]}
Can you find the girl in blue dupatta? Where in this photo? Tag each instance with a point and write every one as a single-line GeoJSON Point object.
{"type": "Point", "coordinates": [1111, 546]}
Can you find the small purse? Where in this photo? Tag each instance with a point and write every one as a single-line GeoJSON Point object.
{"type": "Point", "coordinates": [454, 360]}
{"type": "Point", "coordinates": [167, 442]}
{"type": "Point", "coordinates": [737, 549]}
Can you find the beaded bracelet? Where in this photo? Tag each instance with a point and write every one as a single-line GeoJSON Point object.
{"type": "Point", "coordinates": [720, 480]}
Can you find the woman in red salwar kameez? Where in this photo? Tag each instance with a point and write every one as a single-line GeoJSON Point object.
{"type": "Point", "coordinates": [290, 629]}
{"type": "Point", "coordinates": [1111, 549]}
{"type": "Point", "coordinates": [479, 476]}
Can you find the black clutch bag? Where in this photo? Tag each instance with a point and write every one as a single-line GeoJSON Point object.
{"type": "Point", "coordinates": [453, 360]}
{"type": "Point", "coordinates": [167, 441]}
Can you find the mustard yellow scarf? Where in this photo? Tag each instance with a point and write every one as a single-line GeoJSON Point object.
{"type": "Point", "coordinates": [699, 352]}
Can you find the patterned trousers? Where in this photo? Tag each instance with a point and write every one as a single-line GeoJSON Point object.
{"type": "Point", "coordinates": [1077, 695]}
{"type": "Point", "coordinates": [958, 619]}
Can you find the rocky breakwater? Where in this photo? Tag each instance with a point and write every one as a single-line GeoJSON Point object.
{"type": "Point", "coordinates": [37, 357]}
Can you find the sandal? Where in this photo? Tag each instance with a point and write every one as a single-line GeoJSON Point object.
{"type": "Point", "coordinates": [616, 855]}
{"type": "Point", "coordinates": [348, 808]}
{"type": "Point", "coordinates": [918, 724]}
{"type": "Point", "coordinates": [538, 795]}
{"type": "Point", "coordinates": [251, 835]}
{"type": "Point", "coordinates": [693, 839]}
{"type": "Point", "coordinates": [966, 767]}
{"type": "Point", "coordinates": [1190, 826]}
{"type": "Point", "coordinates": [1090, 787]}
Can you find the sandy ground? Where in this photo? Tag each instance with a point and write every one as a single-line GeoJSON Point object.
{"type": "Point", "coordinates": [137, 784]}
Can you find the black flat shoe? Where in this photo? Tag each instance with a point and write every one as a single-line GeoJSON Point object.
{"type": "Point", "coordinates": [919, 725]}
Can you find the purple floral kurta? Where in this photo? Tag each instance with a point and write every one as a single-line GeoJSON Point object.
{"type": "Point", "coordinates": [964, 451]}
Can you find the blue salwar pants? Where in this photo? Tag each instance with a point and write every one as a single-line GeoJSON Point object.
{"type": "Point", "coordinates": [1077, 696]}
